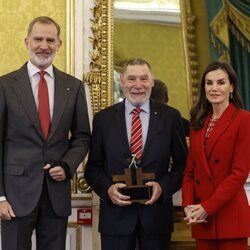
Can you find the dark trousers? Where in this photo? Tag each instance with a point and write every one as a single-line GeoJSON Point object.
{"type": "Point", "coordinates": [50, 229]}
{"type": "Point", "coordinates": [139, 237]}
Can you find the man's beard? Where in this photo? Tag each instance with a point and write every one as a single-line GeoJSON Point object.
{"type": "Point", "coordinates": [41, 61]}
{"type": "Point", "coordinates": [137, 103]}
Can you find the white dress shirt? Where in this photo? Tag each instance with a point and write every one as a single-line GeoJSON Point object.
{"type": "Point", "coordinates": [34, 76]}
{"type": "Point", "coordinates": [144, 115]}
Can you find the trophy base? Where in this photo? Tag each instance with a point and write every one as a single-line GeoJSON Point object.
{"type": "Point", "coordinates": [137, 193]}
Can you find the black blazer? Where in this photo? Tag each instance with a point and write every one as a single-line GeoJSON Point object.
{"type": "Point", "coordinates": [108, 156]}
{"type": "Point", "coordinates": [24, 152]}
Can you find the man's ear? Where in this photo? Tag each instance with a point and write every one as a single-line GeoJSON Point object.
{"type": "Point", "coordinates": [26, 42]}
{"type": "Point", "coordinates": [166, 97]}
{"type": "Point", "coordinates": [121, 80]}
{"type": "Point", "coordinates": [59, 45]}
{"type": "Point", "coordinates": [153, 82]}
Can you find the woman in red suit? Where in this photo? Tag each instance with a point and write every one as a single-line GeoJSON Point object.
{"type": "Point", "coordinates": [214, 199]}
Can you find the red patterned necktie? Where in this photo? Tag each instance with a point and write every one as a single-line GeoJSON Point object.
{"type": "Point", "coordinates": [136, 134]}
{"type": "Point", "coordinates": [43, 105]}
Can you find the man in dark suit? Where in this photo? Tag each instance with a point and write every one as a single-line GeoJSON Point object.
{"type": "Point", "coordinates": [39, 105]}
{"type": "Point", "coordinates": [121, 221]}
{"type": "Point", "coordinates": [160, 94]}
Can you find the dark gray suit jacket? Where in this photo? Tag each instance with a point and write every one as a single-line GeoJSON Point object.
{"type": "Point", "coordinates": [24, 152]}
{"type": "Point", "coordinates": [108, 156]}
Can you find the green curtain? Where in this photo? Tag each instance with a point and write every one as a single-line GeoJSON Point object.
{"type": "Point", "coordinates": [239, 48]}
{"type": "Point", "coordinates": [242, 5]}
{"type": "Point", "coordinates": [214, 9]}
{"type": "Point", "coordinates": [229, 23]}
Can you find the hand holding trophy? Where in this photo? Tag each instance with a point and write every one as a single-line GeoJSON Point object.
{"type": "Point", "coordinates": [136, 189]}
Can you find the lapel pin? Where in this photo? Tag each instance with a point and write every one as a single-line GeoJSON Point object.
{"type": "Point", "coordinates": [156, 113]}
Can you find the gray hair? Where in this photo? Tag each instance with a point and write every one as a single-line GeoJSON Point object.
{"type": "Point", "coordinates": [44, 20]}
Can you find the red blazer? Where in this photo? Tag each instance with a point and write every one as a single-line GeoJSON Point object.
{"type": "Point", "coordinates": [215, 178]}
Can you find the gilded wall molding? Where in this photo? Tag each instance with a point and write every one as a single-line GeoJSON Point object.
{"type": "Point", "coordinates": [100, 77]}
{"type": "Point", "coordinates": [78, 229]}
{"type": "Point", "coordinates": [190, 50]}
{"type": "Point", "coordinates": [70, 37]}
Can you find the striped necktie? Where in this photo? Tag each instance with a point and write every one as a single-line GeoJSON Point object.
{"type": "Point", "coordinates": [136, 134]}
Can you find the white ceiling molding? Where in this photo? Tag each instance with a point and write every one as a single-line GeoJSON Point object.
{"type": "Point", "coordinates": [159, 11]}
{"type": "Point", "coordinates": [152, 16]}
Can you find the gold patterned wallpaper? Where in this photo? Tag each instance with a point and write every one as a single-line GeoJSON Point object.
{"type": "Point", "coordinates": [15, 16]}
{"type": "Point", "coordinates": [162, 46]}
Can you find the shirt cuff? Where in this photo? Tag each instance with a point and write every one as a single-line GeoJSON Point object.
{"type": "Point", "coordinates": [2, 198]}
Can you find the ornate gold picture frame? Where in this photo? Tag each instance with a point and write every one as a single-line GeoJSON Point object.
{"type": "Point", "coordinates": [100, 77]}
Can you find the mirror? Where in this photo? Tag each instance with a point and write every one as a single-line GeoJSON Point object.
{"type": "Point", "coordinates": [100, 77]}
{"type": "Point", "coordinates": [151, 29]}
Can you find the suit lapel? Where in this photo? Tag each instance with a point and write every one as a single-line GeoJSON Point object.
{"type": "Point", "coordinates": [120, 123]}
{"type": "Point", "coordinates": [155, 114]}
{"type": "Point", "coordinates": [222, 124]}
{"type": "Point", "coordinates": [199, 137]}
{"type": "Point", "coordinates": [25, 95]}
{"type": "Point", "coordinates": [62, 93]}
{"type": "Point", "coordinates": [199, 141]}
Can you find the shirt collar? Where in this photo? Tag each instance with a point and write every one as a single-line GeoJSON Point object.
{"type": "Point", "coordinates": [32, 70]}
{"type": "Point", "coordinates": [129, 106]}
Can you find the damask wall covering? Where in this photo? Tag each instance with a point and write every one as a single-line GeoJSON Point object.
{"type": "Point", "coordinates": [14, 18]}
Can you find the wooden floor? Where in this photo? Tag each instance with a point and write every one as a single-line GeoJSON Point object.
{"type": "Point", "coordinates": [182, 246]}
{"type": "Point", "coordinates": [181, 237]}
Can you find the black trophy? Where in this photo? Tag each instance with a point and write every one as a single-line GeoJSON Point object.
{"type": "Point", "coordinates": [137, 190]}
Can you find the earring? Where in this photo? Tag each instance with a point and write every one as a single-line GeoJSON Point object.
{"type": "Point", "coordinates": [231, 95]}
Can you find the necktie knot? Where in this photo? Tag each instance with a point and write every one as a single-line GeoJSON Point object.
{"type": "Point", "coordinates": [42, 73]}
{"type": "Point", "coordinates": [136, 111]}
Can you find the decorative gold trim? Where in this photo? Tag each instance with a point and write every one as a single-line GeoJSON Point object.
{"type": "Point", "coordinates": [218, 26]}
{"type": "Point", "coordinates": [82, 197]}
{"type": "Point", "coordinates": [238, 23]}
{"type": "Point", "coordinates": [240, 20]}
{"type": "Point", "coordinates": [70, 37]}
{"type": "Point", "coordinates": [78, 234]}
{"type": "Point", "coordinates": [100, 77]}
{"type": "Point", "coordinates": [188, 32]}
{"type": "Point", "coordinates": [82, 185]}
{"type": "Point", "coordinates": [219, 34]}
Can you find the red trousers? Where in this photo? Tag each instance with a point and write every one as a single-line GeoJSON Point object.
{"type": "Point", "coordinates": [225, 244]}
